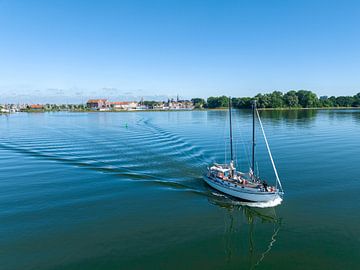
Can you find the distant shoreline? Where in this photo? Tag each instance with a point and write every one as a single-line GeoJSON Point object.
{"type": "Point", "coordinates": [184, 110]}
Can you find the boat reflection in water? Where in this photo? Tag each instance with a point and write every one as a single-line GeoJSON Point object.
{"type": "Point", "coordinates": [250, 232]}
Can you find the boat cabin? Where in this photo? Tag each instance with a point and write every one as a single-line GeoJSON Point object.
{"type": "Point", "coordinates": [222, 171]}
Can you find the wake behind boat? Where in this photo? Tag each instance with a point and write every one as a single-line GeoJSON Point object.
{"type": "Point", "coordinates": [245, 186]}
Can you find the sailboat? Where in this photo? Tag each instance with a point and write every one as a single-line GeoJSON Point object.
{"type": "Point", "coordinates": [246, 186]}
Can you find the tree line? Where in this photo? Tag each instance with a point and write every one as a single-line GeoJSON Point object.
{"type": "Point", "coordinates": [277, 99]}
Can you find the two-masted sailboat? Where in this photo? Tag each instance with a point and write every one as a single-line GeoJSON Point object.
{"type": "Point", "coordinates": [245, 186]}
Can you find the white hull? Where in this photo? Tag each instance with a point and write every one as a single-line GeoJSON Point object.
{"type": "Point", "coordinates": [241, 192]}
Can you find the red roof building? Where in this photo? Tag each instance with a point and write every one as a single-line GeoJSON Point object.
{"type": "Point", "coordinates": [97, 104]}
{"type": "Point", "coordinates": [36, 107]}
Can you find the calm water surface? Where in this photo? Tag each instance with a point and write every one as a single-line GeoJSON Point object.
{"type": "Point", "coordinates": [83, 191]}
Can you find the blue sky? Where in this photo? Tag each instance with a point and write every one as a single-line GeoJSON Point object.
{"type": "Point", "coordinates": [71, 50]}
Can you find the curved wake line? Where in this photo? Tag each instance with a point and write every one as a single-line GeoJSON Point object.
{"type": "Point", "coordinates": [84, 162]}
{"type": "Point", "coordinates": [175, 140]}
{"type": "Point", "coordinates": [100, 166]}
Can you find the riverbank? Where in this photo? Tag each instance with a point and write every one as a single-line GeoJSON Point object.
{"type": "Point", "coordinates": [204, 109]}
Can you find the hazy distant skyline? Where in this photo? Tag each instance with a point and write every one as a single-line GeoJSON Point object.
{"type": "Point", "coordinates": [67, 51]}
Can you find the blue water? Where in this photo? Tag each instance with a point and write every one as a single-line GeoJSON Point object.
{"type": "Point", "coordinates": [124, 191]}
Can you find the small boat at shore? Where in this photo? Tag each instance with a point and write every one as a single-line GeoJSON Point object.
{"type": "Point", "coordinates": [246, 186]}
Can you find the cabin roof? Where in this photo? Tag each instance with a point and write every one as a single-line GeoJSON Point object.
{"type": "Point", "coordinates": [219, 169]}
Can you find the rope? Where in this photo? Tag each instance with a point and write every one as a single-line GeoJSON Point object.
{"type": "Point", "coordinates": [268, 148]}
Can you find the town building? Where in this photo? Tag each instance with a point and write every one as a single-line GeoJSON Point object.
{"type": "Point", "coordinates": [124, 105]}
{"type": "Point", "coordinates": [98, 104]}
{"type": "Point", "coordinates": [180, 105]}
{"type": "Point", "coordinates": [36, 107]}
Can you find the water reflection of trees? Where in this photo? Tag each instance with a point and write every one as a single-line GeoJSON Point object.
{"type": "Point", "coordinates": [340, 115]}
{"type": "Point", "coordinates": [299, 117]}
{"type": "Point", "coordinates": [356, 115]}
{"type": "Point", "coordinates": [295, 116]}
{"type": "Point", "coordinates": [254, 218]}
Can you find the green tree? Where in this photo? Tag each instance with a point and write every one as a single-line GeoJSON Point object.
{"type": "Point", "coordinates": [291, 100]}
{"type": "Point", "coordinates": [150, 103]}
{"type": "Point", "coordinates": [217, 102]}
{"type": "Point", "coordinates": [344, 101]}
{"type": "Point", "coordinates": [276, 99]}
{"type": "Point", "coordinates": [356, 102]}
{"type": "Point", "coordinates": [242, 103]}
{"type": "Point", "coordinates": [327, 102]}
{"type": "Point", "coordinates": [307, 99]}
{"type": "Point", "coordinates": [198, 102]}
{"type": "Point", "coordinates": [332, 101]}
{"type": "Point", "coordinates": [263, 101]}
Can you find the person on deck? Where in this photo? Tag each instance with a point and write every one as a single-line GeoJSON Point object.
{"type": "Point", "coordinates": [265, 185]}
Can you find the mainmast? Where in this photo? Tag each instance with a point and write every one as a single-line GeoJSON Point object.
{"type": "Point", "coordinates": [253, 137]}
{"type": "Point", "coordinates": [231, 139]}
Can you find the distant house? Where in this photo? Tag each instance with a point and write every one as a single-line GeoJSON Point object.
{"type": "Point", "coordinates": [159, 106]}
{"type": "Point", "coordinates": [4, 110]}
{"type": "Point", "coordinates": [124, 105]}
{"type": "Point", "coordinates": [141, 107]}
{"type": "Point", "coordinates": [98, 104]}
{"type": "Point", "coordinates": [180, 105]}
{"type": "Point", "coordinates": [36, 107]}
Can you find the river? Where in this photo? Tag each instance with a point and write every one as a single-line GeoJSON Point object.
{"type": "Point", "coordinates": [125, 191]}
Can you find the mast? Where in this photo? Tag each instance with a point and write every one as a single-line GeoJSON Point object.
{"type": "Point", "coordinates": [253, 137]}
{"type": "Point", "coordinates": [231, 139]}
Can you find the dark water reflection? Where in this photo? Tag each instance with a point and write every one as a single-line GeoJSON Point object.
{"type": "Point", "coordinates": [255, 220]}
{"type": "Point", "coordinates": [298, 117]}
{"type": "Point", "coordinates": [338, 115]}
{"type": "Point", "coordinates": [356, 116]}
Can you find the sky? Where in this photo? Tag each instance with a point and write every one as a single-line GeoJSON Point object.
{"type": "Point", "coordinates": [68, 51]}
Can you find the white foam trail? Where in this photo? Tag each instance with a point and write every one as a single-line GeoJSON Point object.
{"type": "Point", "coordinates": [218, 194]}
{"type": "Point", "coordinates": [272, 203]}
